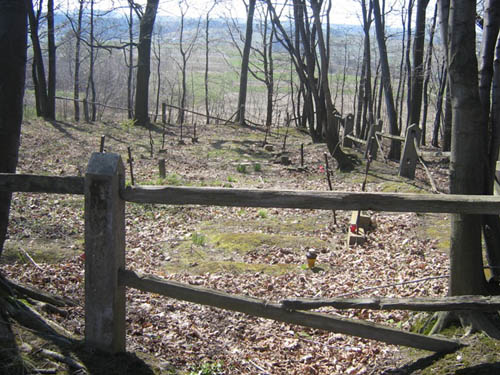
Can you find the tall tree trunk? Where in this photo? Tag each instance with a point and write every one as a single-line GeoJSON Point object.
{"type": "Point", "coordinates": [51, 44]}
{"type": "Point", "coordinates": [447, 122]}
{"type": "Point", "coordinates": [130, 70]}
{"type": "Point", "coordinates": [467, 150]}
{"type": "Point", "coordinates": [76, 82]}
{"type": "Point", "coordinates": [444, 11]}
{"type": "Point", "coordinates": [417, 77]}
{"type": "Point", "coordinates": [488, 74]}
{"type": "Point", "coordinates": [395, 149]}
{"type": "Point", "coordinates": [269, 72]}
{"type": "Point", "coordinates": [408, 65]}
{"type": "Point", "coordinates": [439, 105]}
{"type": "Point", "coordinates": [12, 76]}
{"type": "Point", "coordinates": [242, 97]}
{"type": "Point", "coordinates": [90, 83]}
{"type": "Point", "coordinates": [144, 62]}
{"type": "Point", "coordinates": [400, 91]}
{"type": "Point", "coordinates": [367, 14]}
{"type": "Point", "coordinates": [207, 42]}
{"type": "Point", "coordinates": [39, 71]}
{"type": "Point", "coordinates": [428, 69]}
{"type": "Point", "coordinates": [361, 94]}
{"type": "Point", "coordinates": [332, 125]}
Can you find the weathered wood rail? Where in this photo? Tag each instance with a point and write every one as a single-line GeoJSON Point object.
{"type": "Point", "coordinates": [274, 311]}
{"type": "Point", "coordinates": [320, 200]}
{"type": "Point", "coordinates": [106, 276]}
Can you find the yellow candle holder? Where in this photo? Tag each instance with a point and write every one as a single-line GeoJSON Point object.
{"type": "Point", "coordinates": [311, 259]}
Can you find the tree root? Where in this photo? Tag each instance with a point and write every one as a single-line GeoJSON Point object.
{"type": "Point", "coordinates": [346, 162]}
{"type": "Point", "coordinates": [444, 320]}
{"type": "Point", "coordinates": [26, 291]}
{"type": "Point", "coordinates": [72, 363]}
{"type": "Point", "coordinates": [473, 321]}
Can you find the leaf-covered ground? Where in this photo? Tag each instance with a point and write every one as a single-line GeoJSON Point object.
{"type": "Point", "coordinates": [255, 252]}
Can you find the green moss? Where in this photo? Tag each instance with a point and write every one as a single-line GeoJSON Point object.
{"type": "Point", "coordinates": [41, 250]}
{"type": "Point", "coordinates": [242, 267]}
{"type": "Point", "coordinates": [245, 242]}
{"type": "Point", "coordinates": [436, 227]}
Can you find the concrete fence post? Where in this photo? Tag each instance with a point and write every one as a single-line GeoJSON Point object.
{"type": "Point", "coordinates": [409, 157]}
{"type": "Point", "coordinates": [104, 253]}
{"type": "Point", "coordinates": [348, 129]}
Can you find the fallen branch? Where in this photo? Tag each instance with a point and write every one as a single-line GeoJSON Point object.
{"type": "Point", "coordinates": [27, 291]}
{"type": "Point", "coordinates": [419, 155]}
{"type": "Point", "coordinates": [25, 253]}
{"type": "Point", "coordinates": [361, 291]}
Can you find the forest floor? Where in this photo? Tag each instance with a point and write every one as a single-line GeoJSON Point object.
{"type": "Point", "coordinates": [256, 252]}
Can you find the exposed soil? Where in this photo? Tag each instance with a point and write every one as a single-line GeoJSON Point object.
{"type": "Point", "coordinates": [257, 252]}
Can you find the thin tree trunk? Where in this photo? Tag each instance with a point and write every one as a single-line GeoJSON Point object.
{"type": "Point", "coordinates": [207, 41]}
{"type": "Point", "coordinates": [130, 70]}
{"type": "Point", "coordinates": [418, 63]}
{"type": "Point", "coordinates": [144, 63]}
{"type": "Point", "coordinates": [444, 11]}
{"type": "Point", "coordinates": [409, 76]}
{"type": "Point", "coordinates": [395, 149]}
{"type": "Point", "coordinates": [40, 81]}
{"type": "Point", "coordinates": [242, 97]}
{"type": "Point", "coordinates": [428, 69]}
{"type": "Point", "coordinates": [400, 90]}
{"type": "Point", "coordinates": [439, 105]}
{"type": "Point", "coordinates": [51, 88]}
{"type": "Point", "coordinates": [76, 84]}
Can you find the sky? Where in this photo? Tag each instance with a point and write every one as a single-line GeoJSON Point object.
{"type": "Point", "coordinates": [343, 11]}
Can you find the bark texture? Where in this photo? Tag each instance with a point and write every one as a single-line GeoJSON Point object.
{"type": "Point", "coordinates": [12, 76]}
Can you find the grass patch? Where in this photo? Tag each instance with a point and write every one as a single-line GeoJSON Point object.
{"type": "Point", "coordinates": [241, 168]}
{"type": "Point", "coordinates": [262, 213]}
{"type": "Point", "coordinates": [198, 239]}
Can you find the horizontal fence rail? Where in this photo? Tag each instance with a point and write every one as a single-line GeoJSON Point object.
{"type": "Point", "coordinates": [269, 310]}
{"type": "Point", "coordinates": [321, 200]}
{"type": "Point", "coordinates": [41, 184]}
{"type": "Point", "coordinates": [455, 303]}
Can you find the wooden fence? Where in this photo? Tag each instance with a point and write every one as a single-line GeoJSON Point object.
{"type": "Point", "coordinates": [106, 275]}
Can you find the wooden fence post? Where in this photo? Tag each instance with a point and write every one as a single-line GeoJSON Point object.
{"type": "Point", "coordinates": [104, 253]}
{"type": "Point", "coordinates": [161, 168]}
{"type": "Point", "coordinates": [164, 113]}
{"type": "Point", "coordinates": [409, 157]}
{"type": "Point", "coordinates": [348, 128]}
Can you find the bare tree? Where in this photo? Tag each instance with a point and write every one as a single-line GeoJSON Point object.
{"type": "Point", "coordinates": [207, 42]}
{"type": "Point", "coordinates": [427, 76]}
{"type": "Point", "coordinates": [242, 96]}
{"type": "Point", "coordinates": [51, 46]}
{"type": "Point", "coordinates": [76, 76]}
{"type": "Point", "coordinates": [418, 63]}
{"type": "Point", "coordinates": [144, 61]}
{"type": "Point", "coordinates": [305, 66]}
{"type": "Point", "coordinates": [185, 52]}
{"type": "Point", "coordinates": [395, 150]}
{"type": "Point", "coordinates": [38, 71]}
